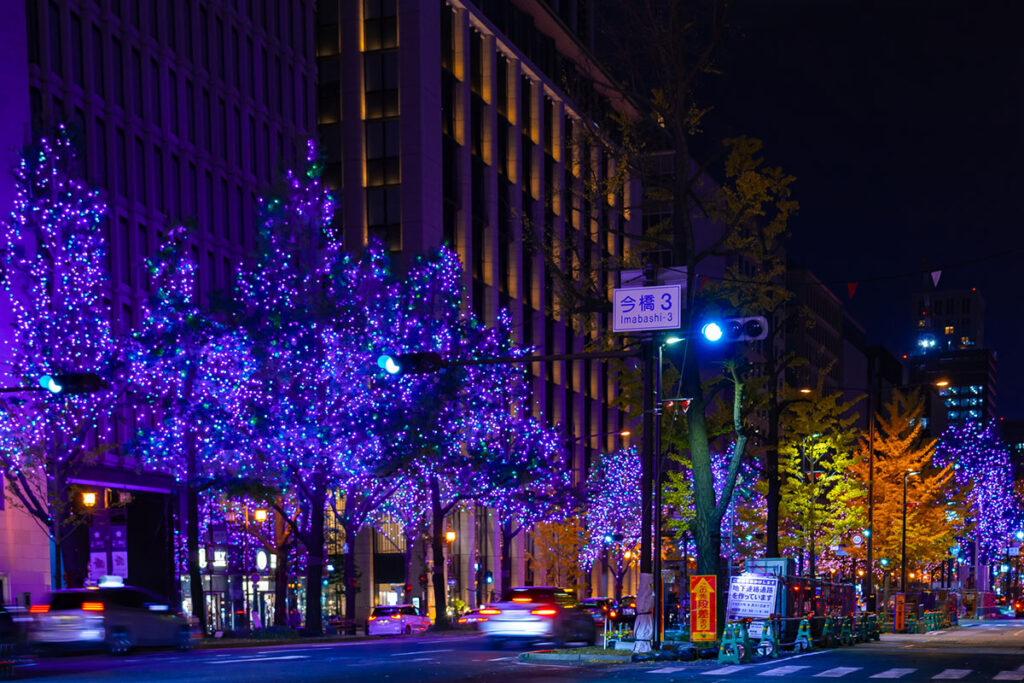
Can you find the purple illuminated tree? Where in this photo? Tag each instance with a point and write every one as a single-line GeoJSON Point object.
{"type": "Point", "coordinates": [981, 466]}
{"type": "Point", "coordinates": [310, 312]}
{"type": "Point", "coordinates": [54, 280]}
{"type": "Point", "coordinates": [529, 480]}
{"type": "Point", "coordinates": [612, 514]}
{"type": "Point", "coordinates": [186, 371]}
{"type": "Point", "coordinates": [404, 517]}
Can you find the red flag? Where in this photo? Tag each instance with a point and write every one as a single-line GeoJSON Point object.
{"type": "Point", "coordinates": [851, 287]}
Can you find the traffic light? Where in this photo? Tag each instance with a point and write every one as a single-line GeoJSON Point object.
{"type": "Point", "coordinates": [489, 577]}
{"type": "Point", "coordinates": [73, 383]}
{"type": "Point", "coordinates": [416, 363]}
{"type": "Point", "coordinates": [423, 580]}
{"type": "Point", "coordinates": [750, 328]}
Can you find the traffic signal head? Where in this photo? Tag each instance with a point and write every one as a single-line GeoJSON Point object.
{"type": "Point", "coordinates": [73, 383]}
{"type": "Point", "coordinates": [489, 577]}
{"type": "Point", "coordinates": [750, 328]}
{"type": "Point", "coordinates": [419, 362]}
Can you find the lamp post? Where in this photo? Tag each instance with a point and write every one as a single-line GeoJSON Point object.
{"type": "Point", "coordinates": [659, 598]}
{"type": "Point", "coordinates": [903, 560]}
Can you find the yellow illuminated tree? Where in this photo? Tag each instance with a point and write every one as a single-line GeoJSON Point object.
{"type": "Point", "coordinates": [817, 449]}
{"type": "Point", "coordinates": [555, 554]}
{"type": "Point", "coordinates": [934, 505]}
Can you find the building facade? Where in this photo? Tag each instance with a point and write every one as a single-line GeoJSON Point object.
{"type": "Point", "coordinates": [447, 122]}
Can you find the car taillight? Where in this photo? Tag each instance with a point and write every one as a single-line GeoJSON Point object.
{"type": "Point", "coordinates": [39, 609]}
{"type": "Point", "coordinates": [612, 613]}
{"type": "Point", "coordinates": [462, 620]}
{"type": "Point", "coordinates": [371, 618]}
{"type": "Point", "coordinates": [395, 616]}
{"type": "Point", "coordinates": [632, 604]}
{"type": "Point", "coordinates": [490, 610]}
{"type": "Point", "coordinates": [92, 606]}
{"type": "Point", "coordinates": [521, 600]}
{"type": "Point", "coordinates": [545, 611]}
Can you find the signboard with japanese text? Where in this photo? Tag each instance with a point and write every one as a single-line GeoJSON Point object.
{"type": "Point", "coordinates": [640, 309]}
{"type": "Point", "coordinates": [703, 607]}
{"type": "Point", "coordinates": [751, 596]}
{"type": "Point", "coordinates": [899, 613]}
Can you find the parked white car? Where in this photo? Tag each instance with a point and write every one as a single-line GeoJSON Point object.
{"type": "Point", "coordinates": [391, 620]}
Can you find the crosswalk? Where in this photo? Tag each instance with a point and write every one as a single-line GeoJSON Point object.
{"type": "Point", "coordinates": [804, 671]}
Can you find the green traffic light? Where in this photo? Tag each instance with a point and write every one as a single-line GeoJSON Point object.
{"type": "Point", "coordinates": [388, 364]}
{"type": "Point", "coordinates": [712, 331]}
{"type": "Point", "coordinates": [50, 384]}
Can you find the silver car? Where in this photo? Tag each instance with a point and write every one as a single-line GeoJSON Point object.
{"type": "Point", "coordinates": [537, 614]}
{"type": "Point", "coordinates": [115, 619]}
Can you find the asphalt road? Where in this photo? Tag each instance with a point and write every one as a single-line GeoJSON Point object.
{"type": "Point", "coordinates": [986, 651]}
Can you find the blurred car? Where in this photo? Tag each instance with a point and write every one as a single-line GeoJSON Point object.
{"type": "Point", "coordinates": [390, 620]}
{"type": "Point", "coordinates": [116, 619]}
{"type": "Point", "coordinates": [537, 614]}
{"type": "Point", "coordinates": [625, 610]}
{"type": "Point", "coordinates": [471, 619]}
{"type": "Point", "coordinates": [1018, 608]}
{"type": "Point", "coordinates": [600, 609]}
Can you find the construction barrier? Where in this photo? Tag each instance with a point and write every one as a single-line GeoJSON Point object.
{"type": "Point", "coordinates": [735, 646]}
{"type": "Point", "coordinates": [769, 643]}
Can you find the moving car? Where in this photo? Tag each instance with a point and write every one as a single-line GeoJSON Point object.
{"type": "Point", "coordinates": [600, 609]}
{"type": "Point", "coordinates": [537, 614]}
{"type": "Point", "coordinates": [117, 619]}
{"type": "Point", "coordinates": [390, 620]}
{"type": "Point", "coordinates": [626, 610]}
{"type": "Point", "coordinates": [471, 619]}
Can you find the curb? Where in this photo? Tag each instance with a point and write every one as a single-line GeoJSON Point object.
{"type": "Point", "coordinates": [542, 656]}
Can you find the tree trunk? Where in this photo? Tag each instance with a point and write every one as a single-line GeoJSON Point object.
{"type": "Point", "coordinates": [281, 585]}
{"type": "Point", "coordinates": [506, 554]}
{"type": "Point", "coordinates": [349, 577]}
{"type": "Point", "coordinates": [315, 565]}
{"type": "Point", "coordinates": [437, 546]}
{"type": "Point", "coordinates": [771, 471]}
{"type": "Point", "coordinates": [195, 576]}
{"type": "Point", "coordinates": [57, 528]}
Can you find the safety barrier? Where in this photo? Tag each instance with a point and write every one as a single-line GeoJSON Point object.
{"type": "Point", "coordinates": [735, 646]}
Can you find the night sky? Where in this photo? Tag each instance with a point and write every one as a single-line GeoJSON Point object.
{"type": "Point", "coordinates": [902, 122]}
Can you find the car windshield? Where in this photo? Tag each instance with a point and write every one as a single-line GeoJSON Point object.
{"type": "Point", "coordinates": [538, 594]}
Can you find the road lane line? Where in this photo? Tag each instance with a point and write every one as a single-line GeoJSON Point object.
{"type": "Point", "coordinates": [782, 670]}
{"type": "Point", "coordinates": [417, 652]}
{"type": "Point", "coordinates": [723, 670]}
{"type": "Point", "coordinates": [666, 670]}
{"type": "Point", "coordinates": [838, 671]}
{"type": "Point", "coordinates": [894, 673]}
{"type": "Point", "coordinates": [1009, 676]}
{"type": "Point", "coordinates": [952, 674]}
{"type": "Point", "coordinates": [256, 659]}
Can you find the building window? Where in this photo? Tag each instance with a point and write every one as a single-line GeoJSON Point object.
{"type": "Point", "coordinates": [382, 152]}
{"type": "Point", "coordinates": [380, 24]}
{"type": "Point", "coordinates": [383, 215]}
{"type": "Point", "coordinates": [949, 329]}
{"type": "Point", "coordinates": [381, 83]}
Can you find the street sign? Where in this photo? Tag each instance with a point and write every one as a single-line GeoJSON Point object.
{"type": "Point", "coordinates": [752, 596]}
{"type": "Point", "coordinates": [899, 613]}
{"type": "Point", "coordinates": [703, 608]}
{"type": "Point", "coordinates": [642, 309]}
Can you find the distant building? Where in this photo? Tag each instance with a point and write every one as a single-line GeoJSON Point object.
{"type": "Point", "coordinates": [1012, 433]}
{"type": "Point", "coordinates": [950, 352]}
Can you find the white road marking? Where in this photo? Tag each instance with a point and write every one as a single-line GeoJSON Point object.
{"type": "Point", "coordinates": [952, 674]}
{"type": "Point", "coordinates": [894, 673]}
{"type": "Point", "coordinates": [934, 633]}
{"type": "Point", "coordinates": [257, 659]}
{"type": "Point", "coordinates": [837, 672]}
{"type": "Point", "coordinates": [1009, 676]}
{"type": "Point", "coordinates": [666, 670]}
{"type": "Point", "coordinates": [782, 670]}
{"type": "Point", "coordinates": [724, 670]}
{"type": "Point", "coordinates": [500, 659]}
{"type": "Point", "coordinates": [417, 652]}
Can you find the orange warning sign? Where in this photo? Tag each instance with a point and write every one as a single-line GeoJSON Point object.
{"type": "Point", "coordinates": [899, 613]}
{"type": "Point", "coordinates": [703, 607]}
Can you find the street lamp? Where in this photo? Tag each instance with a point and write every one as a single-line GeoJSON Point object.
{"type": "Point", "coordinates": [903, 561]}
{"type": "Point", "coordinates": [659, 600]}
{"type": "Point", "coordinates": [89, 499]}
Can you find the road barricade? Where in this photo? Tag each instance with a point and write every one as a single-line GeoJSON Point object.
{"type": "Point", "coordinates": [769, 643]}
{"type": "Point", "coordinates": [735, 647]}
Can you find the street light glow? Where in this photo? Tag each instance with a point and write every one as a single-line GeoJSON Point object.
{"type": "Point", "coordinates": [89, 499]}
{"type": "Point", "coordinates": [260, 515]}
{"type": "Point", "coordinates": [673, 340]}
